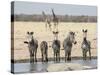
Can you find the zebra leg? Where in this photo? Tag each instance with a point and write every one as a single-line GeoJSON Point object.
{"type": "Point", "coordinates": [30, 58]}
{"type": "Point", "coordinates": [70, 55]}
{"type": "Point", "coordinates": [35, 56]}
{"type": "Point", "coordinates": [30, 51]}
{"type": "Point", "coordinates": [90, 54]}
{"type": "Point", "coordinates": [83, 54]}
{"type": "Point", "coordinates": [46, 56]}
{"type": "Point", "coordinates": [54, 56]}
{"type": "Point", "coordinates": [59, 56]}
{"type": "Point", "coordinates": [65, 56]}
{"type": "Point", "coordinates": [68, 58]}
{"type": "Point", "coordinates": [42, 56]}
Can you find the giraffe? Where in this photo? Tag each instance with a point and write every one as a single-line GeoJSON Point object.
{"type": "Point", "coordinates": [47, 21]}
{"type": "Point", "coordinates": [55, 20]}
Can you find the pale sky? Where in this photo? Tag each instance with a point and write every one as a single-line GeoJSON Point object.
{"type": "Point", "coordinates": [21, 7]}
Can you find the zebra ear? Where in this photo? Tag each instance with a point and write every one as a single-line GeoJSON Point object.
{"type": "Point", "coordinates": [73, 33]}
{"type": "Point", "coordinates": [83, 30]}
{"type": "Point", "coordinates": [31, 33]}
{"type": "Point", "coordinates": [86, 30]}
{"type": "Point", "coordinates": [57, 32]}
{"type": "Point", "coordinates": [53, 32]}
{"type": "Point", "coordinates": [28, 32]}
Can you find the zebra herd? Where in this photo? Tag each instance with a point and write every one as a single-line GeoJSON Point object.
{"type": "Point", "coordinates": [56, 45]}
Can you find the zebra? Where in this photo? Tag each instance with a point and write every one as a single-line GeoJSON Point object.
{"type": "Point", "coordinates": [47, 21]}
{"type": "Point", "coordinates": [56, 47]}
{"type": "Point", "coordinates": [55, 20]}
{"type": "Point", "coordinates": [67, 45]}
{"type": "Point", "coordinates": [44, 51]}
{"type": "Point", "coordinates": [32, 46]}
{"type": "Point", "coordinates": [86, 45]}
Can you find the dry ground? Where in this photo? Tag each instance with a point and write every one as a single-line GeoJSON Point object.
{"type": "Point", "coordinates": [40, 33]}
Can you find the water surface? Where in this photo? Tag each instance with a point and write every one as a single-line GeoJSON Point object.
{"type": "Point", "coordinates": [42, 67]}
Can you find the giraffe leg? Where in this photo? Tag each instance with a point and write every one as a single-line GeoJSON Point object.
{"type": "Point", "coordinates": [46, 26]}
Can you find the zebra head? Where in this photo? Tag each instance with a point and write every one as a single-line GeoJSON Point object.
{"type": "Point", "coordinates": [72, 37]}
{"type": "Point", "coordinates": [84, 33]}
{"type": "Point", "coordinates": [55, 35]}
{"type": "Point", "coordinates": [29, 37]}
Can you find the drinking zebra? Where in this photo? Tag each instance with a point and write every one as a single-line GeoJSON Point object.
{"type": "Point", "coordinates": [56, 47]}
{"type": "Point", "coordinates": [44, 51]}
{"type": "Point", "coordinates": [32, 45]}
{"type": "Point", "coordinates": [68, 43]}
{"type": "Point", "coordinates": [86, 45]}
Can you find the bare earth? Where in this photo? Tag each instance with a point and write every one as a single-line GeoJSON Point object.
{"type": "Point", "coordinates": [40, 33]}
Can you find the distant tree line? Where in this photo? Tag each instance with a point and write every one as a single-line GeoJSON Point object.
{"type": "Point", "coordinates": [62, 18]}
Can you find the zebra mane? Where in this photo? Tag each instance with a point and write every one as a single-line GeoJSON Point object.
{"type": "Point", "coordinates": [68, 38]}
